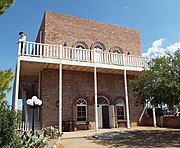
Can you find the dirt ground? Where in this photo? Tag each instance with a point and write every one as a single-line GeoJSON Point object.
{"type": "Point", "coordinates": [139, 137]}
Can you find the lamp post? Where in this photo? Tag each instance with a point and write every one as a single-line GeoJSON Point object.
{"type": "Point", "coordinates": [33, 103]}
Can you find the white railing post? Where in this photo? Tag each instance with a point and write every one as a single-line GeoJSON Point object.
{"type": "Point", "coordinates": [61, 51]}
{"type": "Point", "coordinates": [40, 52]}
{"type": "Point", "coordinates": [126, 92]}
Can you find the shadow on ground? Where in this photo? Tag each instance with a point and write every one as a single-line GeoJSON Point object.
{"type": "Point", "coordinates": [139, 138]}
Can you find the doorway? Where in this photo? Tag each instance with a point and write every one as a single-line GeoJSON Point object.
{"type": "Point", "coordinates": [105, 116]}
{"type": "Point", "coordinates": [103, 112]}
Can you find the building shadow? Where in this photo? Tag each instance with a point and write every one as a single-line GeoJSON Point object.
{"type": "Point", "coordinates": [138, 138]}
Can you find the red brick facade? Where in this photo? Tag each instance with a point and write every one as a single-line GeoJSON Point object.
{"type": "Point", "coordinates": [80, 85]}
{"type": "Point", "coordinates": [62, 29]}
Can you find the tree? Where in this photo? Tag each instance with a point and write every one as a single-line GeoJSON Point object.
{"type": "Point", "coordinates": [5, 79]}
{"type": "Point", "coordinates": [4, 4]}
{"type": "Point", "coordinates": [160, 84]}
{"type": "Point", "coordinates": [9, 119]}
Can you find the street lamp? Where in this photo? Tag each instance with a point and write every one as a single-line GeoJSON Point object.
{"type": "Point", "coordinates": [33, 103]}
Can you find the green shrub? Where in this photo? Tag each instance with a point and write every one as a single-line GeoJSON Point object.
{"type": "Point", "coordinates": [52, 132]}
{"type": "Point", "coordinates": [9, 121]}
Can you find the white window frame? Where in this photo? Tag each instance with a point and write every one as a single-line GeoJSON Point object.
{"type": "Point", "coordinates": [80, 53]}
{"type": "Point", "coordinates": [116, 56]}
{"type": "Point", "coordinates": [81, 104]}
{"type": "Point", "coordinates": [120, 102]}
{"type": "Point", "coordinates": [98, 53]}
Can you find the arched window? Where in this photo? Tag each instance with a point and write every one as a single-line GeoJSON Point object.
{"type": "Point", "coordinates": [116, 51]}
{"type": "Point", "coordinates": [116, 57]}
{"type": "Point", "coordinates": [81, 110]}
{"type": "Point", "coordinates": [102, 101]}
{"type": "Point", "coordinates": [80, 46]}
{"type": "Point", "coordinates": [120, 110]}
{"type": "Point", "coordinates": [80, 52]}
{"type": "Point", "coordinates": [98, 46]}
{"type": "Point", "coordinates": [98, 50]}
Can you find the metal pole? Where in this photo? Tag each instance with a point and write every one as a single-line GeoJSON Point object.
{"type": "Point", "coordinates": [33, 118]}
{"type": "Point", "coordinates": [60, 98]}
{"type": "Point", "coordinates": [126, 92]}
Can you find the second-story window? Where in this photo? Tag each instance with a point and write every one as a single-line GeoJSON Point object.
{"type": "Point", "coordinates": [80, 52]}
{"type": "Point", "coordinates": [116, 57]}
{"type": "Point", "coordinates": [98, 49]}
{"type": "Point", "coordinates": [116, 51]}
{"type": "Point", "coordinates": [98, 46]}
{"type": "Point", "coordinates": [80, 46]}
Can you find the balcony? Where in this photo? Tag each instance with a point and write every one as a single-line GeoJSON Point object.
{"type": "Point", "coordinates": [56, 54]}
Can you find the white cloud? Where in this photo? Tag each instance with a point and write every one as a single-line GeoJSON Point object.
{"type": "Point", "coordinates": [157, 49]}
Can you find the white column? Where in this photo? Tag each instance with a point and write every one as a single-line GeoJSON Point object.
{"type": "Point", "coordinates": [126, 92]}
{"type": "Point", "coordinates": [95, 92]}
{"type": "Point", "coordinates": [60, 98]}
{"type": "Point", "coordinates": [17, 85]}
{"type": "Point", "coordinates": [154, 117]}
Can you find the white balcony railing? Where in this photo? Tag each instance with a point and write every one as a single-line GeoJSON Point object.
{"type": "Point", "coordinates": [41, 50]}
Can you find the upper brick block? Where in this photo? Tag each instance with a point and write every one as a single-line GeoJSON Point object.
{"type": "Point", "coordinates": [60, 29]}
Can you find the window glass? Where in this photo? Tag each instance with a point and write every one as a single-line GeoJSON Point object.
{"type": "Point", "coordinates": [120, 110]}
{"type": "Point", "coordinates": [80, 46]}
{"type": "Point", "coordinates": [97, 46]}
{"type": "Point", "coordinates": [81, 107]}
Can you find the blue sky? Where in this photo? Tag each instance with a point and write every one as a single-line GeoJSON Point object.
{"type": "Point", "coordinates": [157, 20]}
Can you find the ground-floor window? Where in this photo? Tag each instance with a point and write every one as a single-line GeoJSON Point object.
{"type": "Point", "coordinates": [120, 110]}
{"type": "Point", "coordinates": [81, 109]}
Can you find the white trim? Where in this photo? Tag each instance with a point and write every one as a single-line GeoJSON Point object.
{"type": "Point", "coordinates": [77, 63]}
{"type": "Point", "coordinates": [60, 98]}
{"type": "Point", "coordinates": [123, 109]}
{"type": "Point", "coordinates": [126, 93]}
{"type": "Point", "coordinates": [81, 105]}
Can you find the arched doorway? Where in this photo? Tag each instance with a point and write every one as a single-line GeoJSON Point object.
{"type": "Point", "coordinates": [103, 112]}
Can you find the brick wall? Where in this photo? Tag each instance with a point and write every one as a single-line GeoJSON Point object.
{"type": "Point", "coordinates": [80, 85]}
{"type": "Point", "coordinates": [173, 122]}
{"type": "Point", "coordinates": [59, 28]}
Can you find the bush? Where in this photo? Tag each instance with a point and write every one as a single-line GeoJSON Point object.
{"type": "Point", "coordinates": [34, 140]}
{"type": "Point", "coordinates": [52, 132]}
{"type": "Point", "coordinates": [9, 121]}
{"type": "Point", "coordinates": [39, 140]}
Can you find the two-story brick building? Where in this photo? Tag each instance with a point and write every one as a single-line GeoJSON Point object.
{"type": "Point", "coordinates": [80, 69]}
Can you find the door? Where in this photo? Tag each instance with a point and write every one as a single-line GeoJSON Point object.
{"type": "Point", "coordinates": [98, 55]}
{"type": "Point", "coordinates": [111, 117]}
{"type": "Point", "coordinates": [105, 116]}
{"type": "Point", "coordinates": [100, 125]}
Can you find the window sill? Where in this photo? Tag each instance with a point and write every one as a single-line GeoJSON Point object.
{"type": "Point", "coordinates": [122, 120]}
{"type": "Point", "coordinates": [81, 122]}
